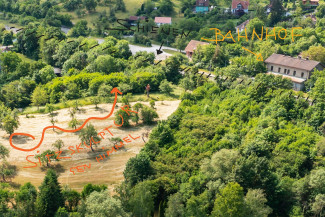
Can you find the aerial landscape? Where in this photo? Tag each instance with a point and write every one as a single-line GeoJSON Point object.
{"type": "Point", "coordinates": [162, 108]}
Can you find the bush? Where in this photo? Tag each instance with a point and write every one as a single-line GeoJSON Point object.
{"type": "Point", "coordinates": [148, 115]}
{"type": "Point", "coordinates": [166, 87]}
{"type": "Point", "coordinates": [126, 118]}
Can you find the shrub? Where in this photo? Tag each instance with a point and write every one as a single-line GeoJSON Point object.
{"type": "Point", "coordinates": [166, 87]}
{"type": "Point", "coordinates": [148, 115]}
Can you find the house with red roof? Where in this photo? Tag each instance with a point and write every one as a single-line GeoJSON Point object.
{"type": "Point", "coordinates": [191, 47]}
{"type": "Point", "coordinates": [239, 7]}
{"type": "Point", "coordinates": [163, 20]}
{"type": "Point", "coordinates": [202, 6]}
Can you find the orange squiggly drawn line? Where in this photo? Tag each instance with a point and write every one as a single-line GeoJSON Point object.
{"type": "Point", "coordinates": [114, 90]}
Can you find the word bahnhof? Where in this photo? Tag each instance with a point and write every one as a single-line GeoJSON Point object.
{"type": "Point", "coordinates": [229, 35]}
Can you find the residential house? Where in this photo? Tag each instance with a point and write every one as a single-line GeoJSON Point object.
{"type": "Point", "coordinates": [133, 20]}
{"type": "Point", "coordinates": [191, 47]}
{"type": "Point", "coordinates": [239, 7]}
{"type": "Point", "coordinates": [163, 20]}
{"type": "Point", "coordinates": [202, 6]}
{"type": "Point", "coordinates": [242, 26]}
{"type": "Point", "coordinates": [298, 70]}
{"type": "Point", "coordinates": [313, 3]}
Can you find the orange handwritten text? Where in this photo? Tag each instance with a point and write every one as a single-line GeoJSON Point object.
{"type": "Point", "coordinates": [79, 168]}
{"type": "Point", "coordinates": [282, 34]}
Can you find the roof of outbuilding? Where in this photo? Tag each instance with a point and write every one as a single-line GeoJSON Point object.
{"type": "Point", "coordinates": [204, 3]}
{"type": "Point", "coordinates": [192, 45]}
{"type": "Point", "coordinates": [163, 19]}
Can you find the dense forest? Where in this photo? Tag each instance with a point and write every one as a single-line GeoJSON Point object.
{"type": "Point", "coordinates": [243, 146]}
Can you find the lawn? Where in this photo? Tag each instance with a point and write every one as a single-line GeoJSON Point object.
{"type": "Point", "coordinates": [131, 8]}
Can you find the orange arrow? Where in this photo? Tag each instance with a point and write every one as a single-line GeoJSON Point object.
{"type": "Point", "coordinates": [114, 90]}
{"type": "Point", "coordinates": [258, 56]}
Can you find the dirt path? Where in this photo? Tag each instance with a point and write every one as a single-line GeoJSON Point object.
{"type": "Point", "coordinates": [108, 171]}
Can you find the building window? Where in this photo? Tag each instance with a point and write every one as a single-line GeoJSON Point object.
{"type": "Point", "coordinates": [285, 71]}
{"type": "Point", "coordinates": [288, 71]}
{"type": "Point", "coordinates": [279, 69]}
{"type": "Point", "coordinates": [294, 73]}
{"type": "Point", "coordinates": [302, 74]}
{"type": "Point", "coordinates": [271, 68]}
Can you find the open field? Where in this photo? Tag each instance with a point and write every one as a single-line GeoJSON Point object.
{"type": "Point", "coordinates": [109, 171]}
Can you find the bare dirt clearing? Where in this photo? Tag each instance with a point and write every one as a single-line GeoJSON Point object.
{"type": "Point", "coordinates": [109, 171]}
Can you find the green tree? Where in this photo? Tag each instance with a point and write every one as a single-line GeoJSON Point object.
{"type": "Point", "coordinates": [58, 144]}
{"type": "Point", "coordinates": [7, 170]}
{"type": "Point", "coordinates": [72, 198]}
{"type": "Point", "coordinates": [165, 87]}
{"type": "Point", "coordinates": [9, 61]}
{"type": "Point", "coordinates": [256, 24]}
{"type": "Point", "coordinates": [104, 90]}
{"type": "Point", "coordinates": [172, 69]}
{"type": "Point", "coordinates": [315, 53]}
{"type": "Point", "coordinates": [7, 39]}
{"type": "Point", "coordinates": [320, 11]}
{"type": "Point", "coordinates": [4, 152]}
{"type": "Point", "coordinates": [10, 124]}
{"type": "Point", "coordinates": [102, 204]}
{"type": "Point", "coordinates": [89, 188]}
{"type": "Point", "coordinates": [95, 100]}
{"type": "Point", "coordinates": [89, 135]}
{"type": "Point", "coordinates": [48, 50]}
{"type": "Point", "coordinates": [46, 157]}
{"type": "Point", "coordinates": [256, 203]}
{"type": "Point", "coordinates": [175, 206]}
{"type": "Point", "coordinates": [73, 123]}
{"type": "Point", "coordinates": [120, 5]}
{"type": "Point", "coordinates": [125, 119]}
{"type": "Point", "coordinates": [39, 96]}
{"type": "Point", "coordinates": [277, 11]}
{"type": "Point", "coordinates": [187, 83]}
{"type": "Point", "coordinates": [318, 90]}
{"type": "Point", "coordinates": [136, 108]}
{"type": "Point", "coordinates": [142, 201]}
{"type": "Point", "coordinates": [50, 197]}
{"type": "Point", "coordinates": [230, 201]}
{"type": "Point", "coordinates": [180, 43]}
{"type": "Point", "coordinates": [90, 4]}
{"type": "Point", "coordinates": [166, 7]}
{"type": "Point", "coordinates": [319, 205]}
{"type": "Point", "coordinates": [25, 199]}
{"type": "Point", "coordinates": [62, 212]}
{"type": "Point", "coordinates": [148, 115]}
{"type": "Point", "coordinates": [137, 169]}
{"type": "Point", "coordinates": [80, 29]}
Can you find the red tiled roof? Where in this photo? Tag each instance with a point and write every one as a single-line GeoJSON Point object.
{"type": "Point", "coordinates": [204, 3]}
{"type": "Point", "coordinates": [135, 18]}
{"type": "Point", "coordinates": [243, 3]}
{"type": "Point", "coordinates": [163, 20]}
{"type": "Point", "coordinates": [192, 45]}
{"type": "Point", "coordinates": [289, 61]}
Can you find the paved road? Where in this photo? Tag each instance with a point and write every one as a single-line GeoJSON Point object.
{"type": "Point", "coordinates": [136, 48]}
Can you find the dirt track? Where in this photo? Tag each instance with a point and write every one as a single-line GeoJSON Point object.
{"type": "Point", "coordinates": [109, 171]}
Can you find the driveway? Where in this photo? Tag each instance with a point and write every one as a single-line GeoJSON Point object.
{"type": "Point", "coordinates": [153, 48]}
